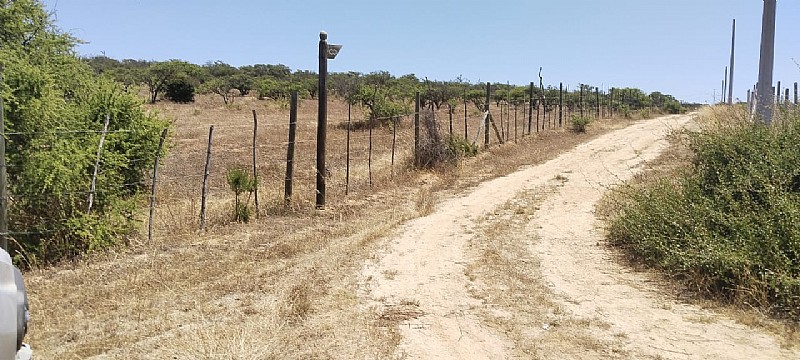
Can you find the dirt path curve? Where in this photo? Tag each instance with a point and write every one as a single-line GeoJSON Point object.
{"type": "Point", "coordinates": [421, 280]}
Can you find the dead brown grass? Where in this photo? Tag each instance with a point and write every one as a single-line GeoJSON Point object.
{"type": "Point", "coordinates": [283, 286]}
{"type": "Point", "coordinates": [506, 276]}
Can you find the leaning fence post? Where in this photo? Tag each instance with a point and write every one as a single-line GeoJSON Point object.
{"type": "Point", "coordinates": [288, 181]}
{"type": "Point", "coordinates": [255, 168]}
{"type": "Point", "coordinates": [205, 180]}
{"type": "Point", "coordinates": [97, 164]}
{"type": "Point", "coordinates": [153, 190]}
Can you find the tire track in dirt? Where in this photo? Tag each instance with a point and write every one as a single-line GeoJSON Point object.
{"type": "Point", "coordinates": [420, 281]}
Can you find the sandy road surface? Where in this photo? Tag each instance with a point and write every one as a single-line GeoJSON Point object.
{"type": "Point", "coordinates": [422, 275]}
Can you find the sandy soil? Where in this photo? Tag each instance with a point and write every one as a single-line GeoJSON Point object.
{"type": "Point", "coordinates": [420, 279]}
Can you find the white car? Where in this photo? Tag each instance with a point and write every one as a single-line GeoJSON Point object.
{"type": "Point", "coordinates": [14, 312]}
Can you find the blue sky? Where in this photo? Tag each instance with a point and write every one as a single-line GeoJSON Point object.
{"type": "Point", "coordinates": [679, 47]}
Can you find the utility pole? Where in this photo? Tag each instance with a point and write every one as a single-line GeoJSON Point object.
{"type": "Point", "coordinates": [766, 63]}
{"type": "Point", "coordinates": [730, 79]}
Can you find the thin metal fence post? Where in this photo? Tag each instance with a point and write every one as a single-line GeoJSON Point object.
{"type": "Point", "coordinates": [561, 104]}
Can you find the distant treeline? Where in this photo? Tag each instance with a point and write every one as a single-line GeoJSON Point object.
{"type": "Point", "coordinates": [382, 93]}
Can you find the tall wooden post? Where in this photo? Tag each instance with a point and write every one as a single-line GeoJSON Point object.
{"type": "Point", "coordinates": [322, 118]}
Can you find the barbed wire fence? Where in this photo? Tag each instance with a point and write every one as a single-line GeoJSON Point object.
{"type": "Point", "coordinates": [189, 189]}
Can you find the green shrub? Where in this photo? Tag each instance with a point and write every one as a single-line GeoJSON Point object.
{"type": "Point", "coordinates": [461, 147]}
{"type": "Point", "coordinates": [731, 225]}
{"type": "Point", "coordinates": [240, 182]}
{"type": "Point", "coordinates": [180, 90]}
{"type": "Point", "coordinates": [54, 107]}
{"type": "Point", "coordinates": [579, 123]}
{"type": "Point", "coordinates": [674, 107]}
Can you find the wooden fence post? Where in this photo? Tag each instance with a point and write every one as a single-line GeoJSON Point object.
{"type": "Point", "coordinates": [205, 180]}
{"type": "Point", "coordinates": [369, 154]}
{"type": "Point", "coordinates": [153, 189]}
{"type": "Point", "coordinates": [488, 115]}
{"type": "Point", "coordinates": [93, 186]}
{"type": "Point", "coordinates": [416, 129]}
{"type": "Point", "coordinates": [561, 104]}
{"type": "Point", "coordinates": [597, 99]}
{"type": "Point", "coordinates": [347, 153]}
{"type": "Point", "coordinates": [450, 108]}
{"type": "Point", "coordinates": [466, 124]}
{"type": "Point", "coordinates": [255, 168]}
{"type": "Point", "coordinates": [394, 144]}
{"type": "Point", "coordinates": [288, 184]}
{"type": "Point", "coordinates": [530, 112]}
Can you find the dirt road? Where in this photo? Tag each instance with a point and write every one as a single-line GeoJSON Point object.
{"type": "Point", "coordinates": [420, 280]}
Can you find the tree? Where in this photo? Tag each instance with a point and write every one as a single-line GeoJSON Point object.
{"type": "Point", "coordinates": [159, 74]}
{"type": "Point", "coordinates": [49, 94]}
{"type": "Point", "coordinates": [222, 87]}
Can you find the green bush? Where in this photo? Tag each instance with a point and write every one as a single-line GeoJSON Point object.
{"type": "Point", "coordinates": [180, 90]}
{"type": "Point", "coordinates": [579, 123]}
{"type": "Point", "coordinates": [731, 225]}
{"type": "Point", "coordinates": [240, 182]}
{"type": "Point", "coordinates": [674, 107]}
{"type": "Point", "coordinates": [54, 107]}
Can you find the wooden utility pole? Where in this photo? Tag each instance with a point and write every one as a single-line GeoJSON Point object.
{"type": "Point", "coordinates": [766, 62]}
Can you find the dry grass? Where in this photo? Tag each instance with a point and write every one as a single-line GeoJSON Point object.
{"type": "Point", "coordinates": [506, 276]}
{"type": "Point", "coordinates": [282, 287]}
